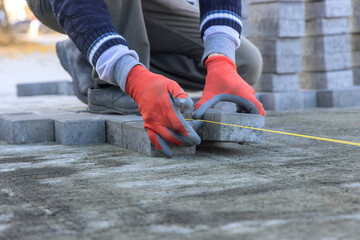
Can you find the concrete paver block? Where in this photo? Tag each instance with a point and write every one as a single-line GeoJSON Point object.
{"type": "Point", "coordinates": [326, 80]}
{"type": "Point", "coordinates": [222, 133]}
{"type": "Point", "coordinates": [284, 10]}
{"type": "Point", "coordinates": [277, 28]}
{"type": "Point", "coordinates": [355, 24]}
{"type": "Point", "coordinates": [79, 129]}
{"type": "Point", "coordinates": [45, 88]}
{"type": "Point", "coordinates": [280, 55]}
{"type": "Point", "coordinates": [355, 49]}
{"type": "Point", "coordinates": [339, 98]}
{"type": "Point", "coordinates": [328, 9]}
{"type": "Point", "coordinates": [326, 53]}
{"type": "Point", "coordinates": [277, 82]}
{"type": "Point", "coordinates": [280, 101]}
{"type": "Point", "coordinates": [310, 98]}
{"type": "Point", "coordinates": [327, 26]}
{"type": "Point", "coordinates": [133, 136]}
{"type": "Point", "coordinates": [277, 19]}
{"type": "Point", "coordinates": [356, 73]}
{"type": "Point", "coordinates": [24, 128]}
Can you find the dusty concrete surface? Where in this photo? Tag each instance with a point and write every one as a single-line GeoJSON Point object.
{"type": "Point", "coordinates": [285, 188]}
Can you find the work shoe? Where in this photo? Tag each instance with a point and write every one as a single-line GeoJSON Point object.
{"type": "Point", "coordinates": [77, 66]}
{"type": "Point", "coordinates": [111, 100]}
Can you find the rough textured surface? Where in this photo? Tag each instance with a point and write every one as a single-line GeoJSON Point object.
{"type": "Point", "coordinates": [285, 188]}
{"type": "Point", "coordinates": [280, 55]}
{"type": "Point", "coordinates": [25, 128]}
{"type": "Point", "coordinates": [281, 101]}
{"type": "Point", "coordinates": [133, 136]}
{"type": "Point", "coordinates": [277, 83]}
{"type": "Point", "coordinates": [328, 9]}
{"type": "Point", "coordinates": [79, 130]}
{"type": "Point", "coordinates": [327, 26]}
{"type": "Point", "coordinates": [324, 53]}
{"type": "Point", "coordinates": [222, 133]}
{"type": "Point", "coordinates": [327, 80]}
{"type": "Point", "coordinates": [349, 97]}
{"type": "Point", "coordinates": [45, 88]}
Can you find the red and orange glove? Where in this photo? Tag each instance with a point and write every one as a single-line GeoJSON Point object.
{"type": "Point", "coordinates": [223, 83]}
{"type": "Point", "coordinates": [159, 100]}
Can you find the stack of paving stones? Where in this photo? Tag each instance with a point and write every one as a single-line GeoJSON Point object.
{"type": "Point", "coordinates": [126, 131]}
{"type": "Point", "coordinates": [327, 59]}
{"type": "Point", "coordinates": [277, 28]}
{"type": "Point", "coordinates": [355, 40]}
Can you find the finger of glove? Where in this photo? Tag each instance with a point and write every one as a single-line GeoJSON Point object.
{"type": "Point", "coordinates": [243, 104]}
{"type": "Point", "coordinates": [160, 143]}
{"type": "Point", "coordinates": [179, 125]}
{"type": "Point", "coordinates": [183, 103]}
{"type": "Point", "coordinates": [201, 109]}
{"type": "Point", "coordinates": [258, 105]}
{"type": "Point", "coordinates": [176, 91]}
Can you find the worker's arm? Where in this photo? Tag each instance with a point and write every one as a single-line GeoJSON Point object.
{"type": "Point", "coordinates": [89, 25]}
{"type": "Point", "coordinates": [220, 27]}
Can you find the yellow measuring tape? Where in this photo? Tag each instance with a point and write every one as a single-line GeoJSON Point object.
{"type": "Point", "coordinates": [285, 133]}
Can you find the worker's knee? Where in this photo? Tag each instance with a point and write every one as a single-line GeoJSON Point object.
{"type": "Point", "coordinates": [43, 11]}
{"type": "Point", "coordinates": [250, 63]}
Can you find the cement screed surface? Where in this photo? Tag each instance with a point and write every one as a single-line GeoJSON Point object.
{"type": "Point", "coordinates": [285, 188]}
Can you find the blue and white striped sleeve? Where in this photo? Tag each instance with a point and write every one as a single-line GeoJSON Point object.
{"type": "Point", "coordinates": [220, 26]}
{"type": "Point", "coordinates": [89, 26]}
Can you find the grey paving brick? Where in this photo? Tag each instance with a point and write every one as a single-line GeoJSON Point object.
{"type": "Point", "coordinates": [284, 10]}
{"type": "Point", "coordinates": [24, 128]}
{"type": "Point", "coordinates": [268, 28]}
{"type": "Point", "coordinates": [133, 136]}
{"type": "Point", "coordinates": [326, 53]}
{"type": "Point", "coordinates": [327, 26]}
{"type": "Point", "coordinates": [277, 19]}
{"type": "Point", "coordinates": [326, 80]}
{"type": "Point", "coordinates": [45, 88]}
{"type": "Point", "coordinates": [223, 133]}
{"type": "Point", "coordinates": [281, 101]}
{"type": "Point", "coordinates": [355, 46]}
{"type": "Point", "coordinates": [280, 55]}
{"type": "Point", "coordinates": [310, 98]}
{"type": "Point", "coordinates": [277, 82]}
{"type": "Point", "coordinates": [79, 129]}
{"type": "Point", "coordinates": [226, 106]}
{"type": "Point", "coordinates": [355, 24]}
{"type": "Point", "coordinates": [65, 88]}
{"type": "Point", "coordinates": [328, 9]}
{"type": "Point", "coordinates": [356, 73]}
{"type": "Point", "coordinates": [339, 98]}
{"type": "Point", "coordinates": [272, 1]}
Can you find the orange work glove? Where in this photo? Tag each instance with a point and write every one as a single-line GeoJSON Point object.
{"type": "Point", "coordinates": [223, 83]}
{"type": "Point", "coordinates": [159, 100]}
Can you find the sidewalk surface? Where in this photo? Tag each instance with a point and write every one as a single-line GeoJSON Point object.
{"type": "Point", "coordinates": [286, 188]}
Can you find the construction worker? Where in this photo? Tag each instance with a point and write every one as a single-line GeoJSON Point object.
{"type": "Point", "coordinates": [133, 48]}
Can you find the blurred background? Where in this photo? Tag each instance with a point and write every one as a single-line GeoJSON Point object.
{"type": "Point", "coordinates": [27, 50]}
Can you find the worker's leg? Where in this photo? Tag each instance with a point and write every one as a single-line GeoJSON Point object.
{"type": "Point", "coordinates": [176, 46]}
{"type": "Point", "coordinates": [100, 96]}
{"type": "Point", "coordinates": [43, 11]}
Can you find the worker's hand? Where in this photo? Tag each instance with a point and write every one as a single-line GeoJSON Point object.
{"type": "Point", "coordinates": [159, 100]}
{"type": "Point", "coordinates": [223, 83]}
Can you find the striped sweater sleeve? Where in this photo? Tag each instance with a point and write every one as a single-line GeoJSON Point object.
{"type": "Point", "coordinates": [220, 26]}
{"type": "Point", "coordinates": [220, 13]}
{"type": "Point", "coordinates": [88, 24]}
